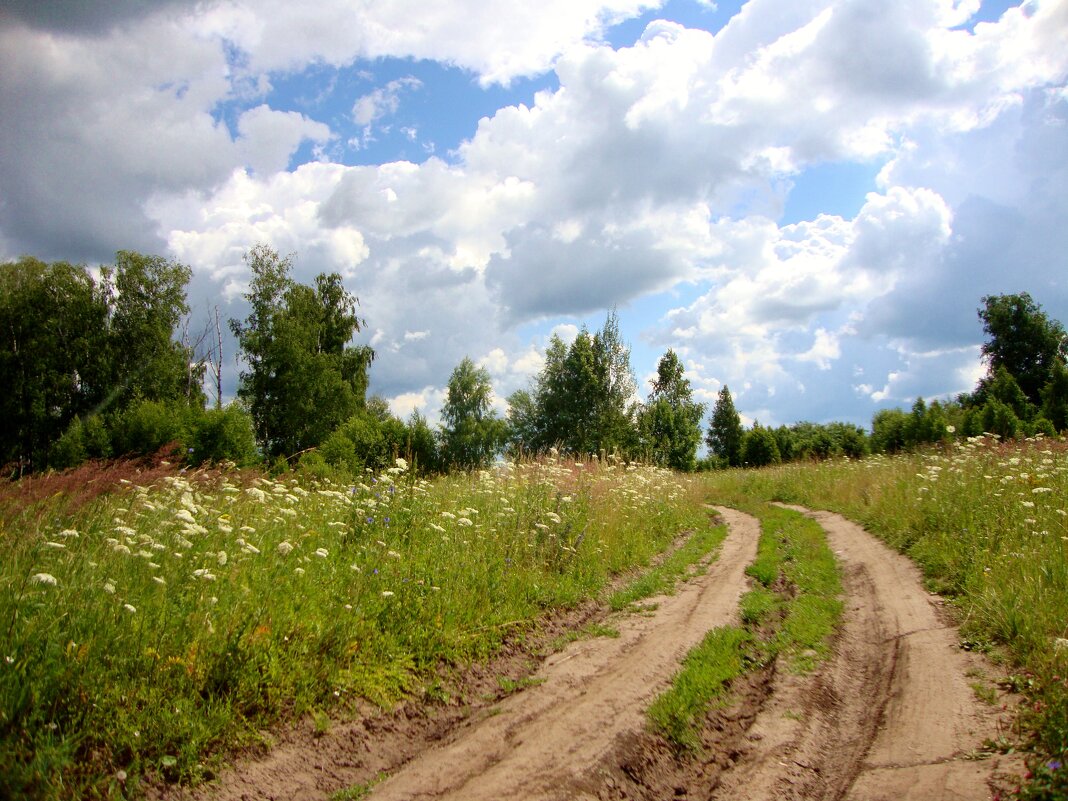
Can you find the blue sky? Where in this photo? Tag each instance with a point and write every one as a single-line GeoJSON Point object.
{"type": "Point", "coordinates": [806, 199]}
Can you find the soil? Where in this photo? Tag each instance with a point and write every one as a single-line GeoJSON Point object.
{"type": "Point", "coordinates": [892, 715]}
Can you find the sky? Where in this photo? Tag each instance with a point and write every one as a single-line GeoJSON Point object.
{"type": "Point", "coordinates": [804, 199]}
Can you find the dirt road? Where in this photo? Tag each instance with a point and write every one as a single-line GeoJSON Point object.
{"type": "Point", "coordinates": [546, 739]}
{"type": "Point", "coordinates": [891, 716]}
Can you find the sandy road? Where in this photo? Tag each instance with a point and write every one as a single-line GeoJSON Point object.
{"type": "Point", "coordinates": [547, 738]}
{"type": "Point", "coordinates": [893, 716]}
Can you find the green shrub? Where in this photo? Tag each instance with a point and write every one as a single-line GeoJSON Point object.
{"type": "Point", "coordinates": [224, 435]}
{"type": "Point", "coordinates": [146, 426]}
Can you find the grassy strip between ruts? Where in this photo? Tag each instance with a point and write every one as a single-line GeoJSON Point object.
{"type": "Point", "coordinates": [662, 578]}
{"type": "Point", "coordinates": [799, 629]}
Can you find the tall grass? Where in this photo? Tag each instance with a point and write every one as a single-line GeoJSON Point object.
{"type": "Point", "coordinates": [988, 524]}
{"type": "Point", "coordinates": [168, 622]}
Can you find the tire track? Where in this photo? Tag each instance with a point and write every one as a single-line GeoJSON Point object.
{"type": "Point", "coordinates": [892, 716]}
{"type": "Point", "coordinates": [544, 741]}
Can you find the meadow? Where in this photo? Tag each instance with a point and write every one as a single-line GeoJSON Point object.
{"type": "Point", "coordinates": [159, 626]}
{"type": "Point", "coordinates": [155, 628]}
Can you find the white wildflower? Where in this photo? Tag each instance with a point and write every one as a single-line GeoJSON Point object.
{"type": "Point", "coordinates": [130, 608]}
{"type": "Point", "coordinates": [46, 579]}
{"type": "Point", "coordinates": [59, 546]}
{"type": "Point", "coordinates": [222, 557]}
{"type": "Point", "coordinates": [67, 533]}
{"type": "Point", "coordinates": [464, 521]}
{"type": "Point", "coordinates": [299, 571]}
{"type": "Point", "coordinates": [159, 580]}
{"type": "Point", "coordinates": [284, 547]}
{"type": "Point", "coordinates": [322, 553]}
{"type": "Point", "coordinates": [185, 516]}
{"type": "Point", "coordinates": [204, 573]}
{"type": "Point", "coordinates": [387, 594]}
{"type": "Point", "coordinates": [109, 588]}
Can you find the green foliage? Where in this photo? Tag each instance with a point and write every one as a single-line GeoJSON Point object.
{"type": "Point", "coordinates": [74, 347]}
{"type": "Point", "coordinates": [473, 434]}
{"type": "Point", "coordinates": [1023, 340]}
{"type": "Point", "coordinates": [670, 421]}
{"type": "Point", "coordinates": [148, 303]}
{"type": "Point", "coordinates": [759, 447]}
{"type": "Point", "coordinates": [147, 425]}
{"type": "Point", "coordinates": [1055, 397]}
{"type": "Point", "coordinates": [303, 379]}
{"type": "Point", "coordinates": [224, 435]}
{"type": "Point", "coordinates": [580, 401]}
{"type": "Point", "coordinates": [725, 431]}
{"type": "Point", "coordinates": [54, 355]}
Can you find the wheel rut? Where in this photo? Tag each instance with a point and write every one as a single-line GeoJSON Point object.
{"type": "Point", "coordinates": [544, 742]}
{"type": "Point", "coordinates": [892, 715]}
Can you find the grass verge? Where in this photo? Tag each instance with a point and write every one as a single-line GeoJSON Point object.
{"type": "Point", "coordinates": [662, 578]}
{"type": "Point", "coordinates": [163, 625]}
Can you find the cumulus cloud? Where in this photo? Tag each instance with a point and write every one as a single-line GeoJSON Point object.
{"type": "Point", "coordinates": [655, 168]}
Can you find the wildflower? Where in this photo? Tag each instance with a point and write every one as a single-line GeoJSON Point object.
{"type": "Point", "coordinates": [205, 574]}
{"type": "Point", "coordinates": [68, 532]}
{"type": "Point", "coordinates": [402, 464]}
{"type": "Point", "coordinates": [393, 554]}
{"type": "Point", "coordinates": [185, 516]}
{"type": "Point", "coordinates": [1054, 764]}
{"type": "Point", "coordinates": [288, 512]}
{"type": "Point", "coordinates": [284, 547]}
{"type": "Point", "coordinates": [464, 521]}
{"type": "Point", "coordinates": [9, 659]}
{"type": "Point", "coordinates": [130, 608]}
{"type": "Point", "coordinates": [322, 553]}
{"type": "Point", "coordinates": [1028, 504]}
{"type": "Point", "coordinates": [299, 571]}
{"type": "Point", "coordinates": [59, 546]}
{"type": "Point", "coordinates": [43, 578]}
{"type": "Point", "coordinates": [159, 581]}
{"type": "Point", "coordinates": [387, 594]}
{"type": "Point", "coordinates": [225, 529]}
{"type": "Point", "coordinates": [248, 547]}
{"type": "Point", "coordinates": [109, 588]}
{"type": "Point", "coordinates": [223, 558]}
{"type": "Point", "coordinates": [1040, 490]}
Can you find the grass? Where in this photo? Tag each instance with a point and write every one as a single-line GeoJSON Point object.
{"type": "Point", "coordinates": [662, 578]}
{"type": "Point", "coordinates": [798, 625]}
{"type": "Point", "coordinates": [162, 624]}
{"type": "Point", "coordinates": [988, 524]}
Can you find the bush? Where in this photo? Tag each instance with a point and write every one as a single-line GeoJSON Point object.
{"type": "Point", "coordinates": [224, 434]}
{"type": "Point", "coordinates": [83, 439]}
{"type": "Point", "coordinates": [146, 426]}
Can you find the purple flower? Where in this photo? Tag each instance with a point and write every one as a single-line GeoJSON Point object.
{"type": "Point", "coordinates": [1054, 764]}
{"type": "Point", "coordinates": [376, 571]}
{"type": "Point", "coordinates": [370, 520]}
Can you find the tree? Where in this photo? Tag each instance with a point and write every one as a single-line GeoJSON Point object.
{"type": "Point", "coordinates": [1055, 397]}
{"type": "Point", "coordinates": [148, 302]}
{"type": "Point", "coordinates": [759, 447]}
{"type": "Point", "coordinates": [473, 434]}
{"type": "Point", "coordinates": [1023, 340]}
{"type": "Point", "coordinates": [725, 432]}
{"type": "Point", "coordinates": [582, 401]}
{"type": "Point", "coordinates": [302, 378]}
{"type": "Point", "coordinates": [670, 422]}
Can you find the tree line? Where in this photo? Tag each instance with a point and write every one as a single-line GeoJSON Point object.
{"type": "Point", "coordinates": [100, 363]}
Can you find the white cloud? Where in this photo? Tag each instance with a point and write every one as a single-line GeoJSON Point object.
{"type": "Point", "coordinates": [268, 137]}
{"type": "Point", "coordinates": [383, 101]}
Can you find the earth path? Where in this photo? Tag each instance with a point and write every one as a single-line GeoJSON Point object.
{"type": "Point", "coordinates": [545, 739]}
{"type": "Point", "coordinates": [892, 716]}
